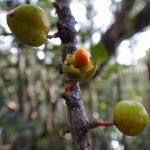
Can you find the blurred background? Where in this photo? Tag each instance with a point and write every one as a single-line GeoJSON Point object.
{"type": "Point", "coordinates": [32, 112]}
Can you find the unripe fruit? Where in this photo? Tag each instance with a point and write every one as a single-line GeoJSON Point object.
{"type": "Point", "coordinates": [81, 59]}
{"type": "Point", "coordinates": [29, 24]}
{"type": "Point", "coordinates": [130, 117]}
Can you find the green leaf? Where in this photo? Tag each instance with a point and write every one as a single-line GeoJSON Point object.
{"type": "Point", "coordinates": [99, 52]}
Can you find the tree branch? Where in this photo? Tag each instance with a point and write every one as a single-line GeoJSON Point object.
{"type": "Point", "coordinates": [121, 28]}
{"type": "Point", "coordinates": [76, 112]}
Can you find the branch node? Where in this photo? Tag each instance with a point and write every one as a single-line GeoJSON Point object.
{"type": "Point", "coordinates": [65, 131]}
{"type": "Point", "coordinates": [71, 94]}
{"type": "Point", "coordinates": [67, 88]}
{"type": "Point", "coordinates": [53, 36]}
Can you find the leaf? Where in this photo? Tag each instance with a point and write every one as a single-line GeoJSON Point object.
{"type": "Point", "coordinates": [99, 53]}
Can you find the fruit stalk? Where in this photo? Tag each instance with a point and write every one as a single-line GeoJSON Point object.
{"type": "Point", "coordinates": [89, 126]}
{"type": "Point", "coordinates": [95, 124]}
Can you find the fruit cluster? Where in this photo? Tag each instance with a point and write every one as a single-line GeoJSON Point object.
{"type": "Point", "coordinates": [78, 66]}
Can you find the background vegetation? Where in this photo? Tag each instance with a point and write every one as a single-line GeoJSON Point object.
{"type": "Point", "coordinates": [32, 112]}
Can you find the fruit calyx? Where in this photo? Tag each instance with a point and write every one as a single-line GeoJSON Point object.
{"type": "Point", "coordinates": [78, 65]}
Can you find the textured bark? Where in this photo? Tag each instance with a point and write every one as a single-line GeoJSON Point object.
{"type": "Point", "coordinates": [76, 112]}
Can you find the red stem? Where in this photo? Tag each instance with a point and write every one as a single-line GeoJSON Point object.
{"type": "Point", "coordinates": [95, 124]}
{"type": "Point", "coordinates": [105, 124]}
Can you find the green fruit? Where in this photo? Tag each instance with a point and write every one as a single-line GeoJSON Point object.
{"type": "Point", "coordinates": [29, 24]}
{"type": "Point", "coordinates": [130, 117]}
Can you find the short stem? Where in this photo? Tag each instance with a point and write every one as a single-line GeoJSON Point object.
{"type": "Point", "coordinates": [105, 124]}
{"type": "Point", "coordinates": [90, 125]}
{"type": "Point", "coordinates": [65, 131]}
{"type": "Point", "coordinates": [52, 36]}
{"type": "Point", "coordinates": [95, 124]}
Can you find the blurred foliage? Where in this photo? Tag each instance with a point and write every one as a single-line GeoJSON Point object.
{"type": "Point", "coordinates": [99, 53]}
{"type": "Point", "coordinates": [32, 112]}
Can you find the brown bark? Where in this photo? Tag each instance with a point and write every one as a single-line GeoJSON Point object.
{"type": "Point", "coordinates": [76, 112]}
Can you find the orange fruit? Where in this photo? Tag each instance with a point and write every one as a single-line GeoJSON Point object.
{"type": "Point", "coordinates": [81, 59]}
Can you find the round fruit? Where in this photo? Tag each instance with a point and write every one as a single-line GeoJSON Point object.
{"type": "Point", "coordinates": [29, 24]}
{"type": "Point", "coordinates": [130, 117]}
{"type": "Point", "coordinates": [81, 59]}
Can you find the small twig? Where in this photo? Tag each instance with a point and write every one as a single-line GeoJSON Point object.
{"type": "Point", "coordinates": [89, 126]}
{"type": "Point", "coordinates": [53, 36]}
{"type": "Point", "coordinates": [5, 33]}
{"type": "Point", "coordinates": [64, 131]}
